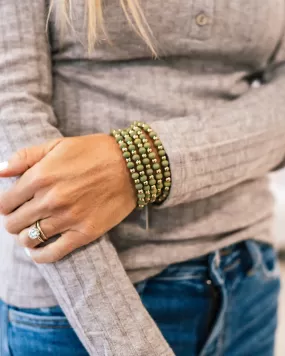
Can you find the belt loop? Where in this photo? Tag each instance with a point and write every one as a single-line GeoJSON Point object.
{"type": "Point", "coordinates": [254, 252]}
{"type": "Point", "coordinates": [214, 268]}
{"type": "Point", "coordinates": [217, 258]}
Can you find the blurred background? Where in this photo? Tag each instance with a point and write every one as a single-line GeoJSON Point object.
{"type": "Point", "coordinates": [278, 188]}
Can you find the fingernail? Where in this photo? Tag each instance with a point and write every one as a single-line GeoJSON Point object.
{"type": "Point", "coordinates": [28, 253]}
{"type": "Point", "coordinates": [3, 165]}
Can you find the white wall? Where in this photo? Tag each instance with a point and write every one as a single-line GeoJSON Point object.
{"type": "Point", "coordinates": [278, 188]}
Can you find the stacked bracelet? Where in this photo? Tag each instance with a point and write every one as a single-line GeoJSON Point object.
{"type": "Point", "coordinates": [151, 176]}
{"type": "Point", "coordinates": [164, 161]}
{"type": "Point", "coordinates": [128, 151]}
{"type": "Point", "coordinates": [141, 180]}
{"type": "Point", "coordinates": [147, 156]}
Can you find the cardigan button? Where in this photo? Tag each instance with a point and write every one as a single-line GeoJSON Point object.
{"type": "Point", "coordinates": [202, 19]}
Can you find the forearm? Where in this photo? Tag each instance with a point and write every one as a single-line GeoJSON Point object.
{"type": "Point", "coordinates": [102, 304]}
{"type": "Point", "coordinates": [226, 145]}
{"type": "Point", "coordinates": [91, 285]}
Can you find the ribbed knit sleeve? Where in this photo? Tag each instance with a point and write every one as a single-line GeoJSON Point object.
{"type": "Point", "coordinates": [228, 146]}
{"type": "Point", "coordinates": [91, 285]}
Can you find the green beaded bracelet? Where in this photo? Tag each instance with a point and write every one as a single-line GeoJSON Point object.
{"type": "Point", "coordinates": [144, 164]}
{"type": "Point", "coordinates": [134, 147]}
{"type": "Point", "coordinates": [140, 168]}
{"type": "Point", "coordinates": [163, 157]}
{"type": "Point", "coordinates": [125, 144]}
{"type": "Point", "coordinates": [144, 149]}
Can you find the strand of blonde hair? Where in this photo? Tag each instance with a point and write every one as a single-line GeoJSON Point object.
{"type": "Point", "coordinates": [95, 20]}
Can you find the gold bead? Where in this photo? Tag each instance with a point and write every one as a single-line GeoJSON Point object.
{"type": "Point", "coordinates": [166, 188]}
{"type": "Point", "coordinates": [131, 132]}
{"type": "Point", "coordinates": [145, 183]}
{"type": "Point", "coordinates": [159, 181]}
{"type": "Point", "coordinates": [154, 160]}
{"type": "Point", "coordinates": [168, 179]}
{"type": "Point", "coordinates": [166, 169]}
{"type": "Point", "coordinates": [124, 149]}
{"type": "Point", "coordinates": [140, 191]}
{"type": "Point", "coordinates": [134, 152]}
{"type": "Point", "coordinates": [130, 142]}
{"type": "Point", "coordinates": [142, 173]}
{"type": "Point", "coordinates": [139, 132]}
{"type": "Point", "coordinates": [132, 170]}
{"type": "Point", "coordinates": [160, 147]}
{"type": "Point", "coordinates": [120, 142]}
{"type": "Point", "coordinates": [141, 206]}
{"type": "Point", "coordinates": [163, 158]}
{"type": "Point", "coordinates": [148, 166]}
{"type": "Point", "coordinates": [128, 160]}
{"type": "Point", "coordinates": [151, 177]}
{"type": "Point", "coordinates": [135, 136]}
{"type": "Point", "coordinates": [149, 150]}
{"type": "Point", "coordinates": [144, 140]}
{"type": "Point", "coordinates": [140, 145]}
{"type": "Point", "coordinates": [138, 162]}
{"type": "Point", "coordinates": [137, 181]}
{"type": "Point", "coordinates": [158, 171]}
{"type": "Point", "coordinates": [144, 155]}
{"type": "Point", "coordinates": [155, 138]}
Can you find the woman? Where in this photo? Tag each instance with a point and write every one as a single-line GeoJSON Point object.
{"type": "Point", "coordinates": [202, 259]}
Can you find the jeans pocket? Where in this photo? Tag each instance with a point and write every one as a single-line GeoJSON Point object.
{"type": "Point", "coordinates": [38, 319]}
{"type": "Point", "coordinates": [265, 261]}
{"type": "Point", "coordinates": [44, 331]}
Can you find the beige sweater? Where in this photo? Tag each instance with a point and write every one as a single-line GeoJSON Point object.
{"type": "Point", "coordinates": [222, 137]}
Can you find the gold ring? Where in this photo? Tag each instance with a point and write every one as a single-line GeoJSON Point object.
{"type": "Point", "coordinates": [42, 237]}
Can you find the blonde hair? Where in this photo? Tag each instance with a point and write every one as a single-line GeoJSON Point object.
{"type": "Point", "coordinates": [95, 19]}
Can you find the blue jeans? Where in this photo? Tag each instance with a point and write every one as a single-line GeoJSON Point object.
{"type": "Point", "coordinates": [222, 304]}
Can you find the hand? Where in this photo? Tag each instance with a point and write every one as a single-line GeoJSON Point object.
{"type": "Point", "coordinates": [78, 187]}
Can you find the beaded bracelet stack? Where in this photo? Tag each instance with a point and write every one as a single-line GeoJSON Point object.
{"type": "Point", "coordinates": [149, 170]}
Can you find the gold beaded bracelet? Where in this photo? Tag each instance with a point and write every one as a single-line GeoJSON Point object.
{"type": "Point", "coordinates": [163, 157]}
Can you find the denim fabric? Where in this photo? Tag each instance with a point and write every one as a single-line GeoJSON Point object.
{"type": "Point", "coordinates": [37, 332]}
{"type": "Point", "coordinates": [223, 304]}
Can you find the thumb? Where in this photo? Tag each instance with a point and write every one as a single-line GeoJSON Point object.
{"type": "Point", "coordinates": [26, 158]}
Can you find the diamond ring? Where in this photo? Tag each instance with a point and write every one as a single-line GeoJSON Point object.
{"type": "Point", "coordinates": [35, 232]}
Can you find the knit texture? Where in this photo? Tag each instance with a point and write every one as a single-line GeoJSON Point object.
{"type": "Point", "coordinates": [221, 135]}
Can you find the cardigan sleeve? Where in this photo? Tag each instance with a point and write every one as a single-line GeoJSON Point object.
{"type": "Point", "coordinates": [91, 285]}
{"type": "Point", "coordinates": [237, 141]}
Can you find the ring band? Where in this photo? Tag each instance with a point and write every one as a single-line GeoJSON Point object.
{"type": "Point", "coordinates": [43, 236]}
{"type": "Point", "coordinates": [35, 232]}
{"type": "Point", "coordinates": [40, 239]}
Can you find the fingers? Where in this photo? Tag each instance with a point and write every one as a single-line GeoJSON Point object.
{"type": "Point", "coordinates": [64, 245]}
{"type": "Point", "coordinates": [26, 158]}
{"type": "Point", "coordinates": [25, 216]}
{"type": "Point", "coordinates": [32, 182]}
{"type": "Point", "coordinates": [50, 227]}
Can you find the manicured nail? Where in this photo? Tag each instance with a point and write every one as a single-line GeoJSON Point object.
{"type": "Point", "coordinates": [3, 165]}
{"type": "Point", "coordinates": [28, 253]}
